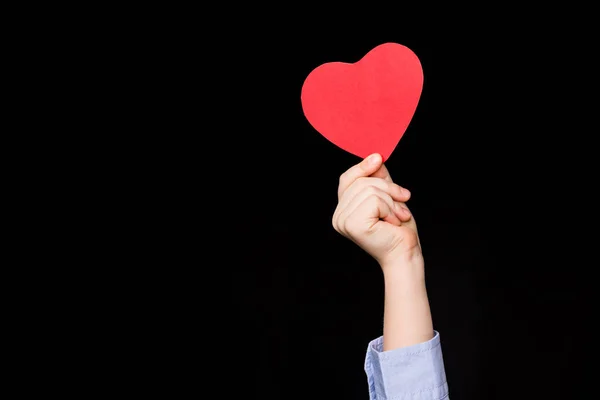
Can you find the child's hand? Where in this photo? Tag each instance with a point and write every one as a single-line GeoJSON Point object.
{"type": "Point", "coordinates": [371, 212]}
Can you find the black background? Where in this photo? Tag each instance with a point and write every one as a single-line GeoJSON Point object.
{"type": "Point", "coordinates": [181, 203]}
{"type": "Point", "coordinates": [251, 188]}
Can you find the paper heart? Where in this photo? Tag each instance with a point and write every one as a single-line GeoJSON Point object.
{"type": "Point", "coordinates": [365, 107]}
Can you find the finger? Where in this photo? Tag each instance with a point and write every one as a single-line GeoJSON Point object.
{"type": "Point", "coordinates": [400, 210]}
{"type": "Point", "coordinates": [365, 168]}
{"type": "Point", "coordinates": [372, 208]}
{"type": "Point", "coordinates": [403, 211]}
{"type": "Point", "coordinates": [382, 173]}
{"type": "Point", "coordinates": [373, 190]}
{"type": "Point", "coordinates": [383, 211]}
{"type": "Point", "coordinates": [397, 192]}
{"type": "Point", "coordinates": [359, 201]}
{"type": "Point", "coordinates": [369, 185]}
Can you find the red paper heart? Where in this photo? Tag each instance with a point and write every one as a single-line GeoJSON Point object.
{"type": "Point", "coordinates": [365, 107]}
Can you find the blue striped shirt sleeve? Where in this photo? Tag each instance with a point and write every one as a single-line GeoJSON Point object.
{"type": "Point", "coordinates": [408, 373]}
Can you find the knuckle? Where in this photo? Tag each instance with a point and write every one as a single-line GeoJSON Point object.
{"type": "Point", "coordinates": [362, 180]}
{"type": "Point", "coordinates": [381, 185]}
{"type": "Point", "coordinates": [335, 220]}
{"type": "Point", "coordinates": [374, 199]}
{"type": "Point", "coordinates": [344, 179]}
{"type": "Point", "coordinates": [353, 227]}
{"type": "Point", "coordinates": [371, 190]}
{"type": "Point", "coordinates": [358, 182]}
{"type": "Point", "coordinates": [343, 183]}
{"type": "Point", "coordinates": [390, 188]}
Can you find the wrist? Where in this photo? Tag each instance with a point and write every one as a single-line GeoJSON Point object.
{"type": "Point", "coordinates": [408, 267]}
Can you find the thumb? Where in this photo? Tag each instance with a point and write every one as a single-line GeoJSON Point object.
{"type": "Point", "coordinates": [371, 163]}
{"type": "Point", "coordinates": [365, 168]}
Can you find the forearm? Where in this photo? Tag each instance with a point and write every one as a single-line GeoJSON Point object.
{"type": "Point", "coordinates": [407, 316]}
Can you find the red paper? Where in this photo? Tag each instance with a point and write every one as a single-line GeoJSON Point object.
{"type": "Point", "coordinates": [365, 107]}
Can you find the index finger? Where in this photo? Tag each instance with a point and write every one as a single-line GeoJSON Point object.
{"type": "Point", "coordinates": [370, 166]}
{"type": "Point", "coordinates": [382, 173]}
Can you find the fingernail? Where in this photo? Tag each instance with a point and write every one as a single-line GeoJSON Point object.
{"type": "Point", "coordinates": [405, 192]}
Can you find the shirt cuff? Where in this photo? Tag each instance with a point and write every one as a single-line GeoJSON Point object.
{"type": "Point", "coordinates": [408, 373]}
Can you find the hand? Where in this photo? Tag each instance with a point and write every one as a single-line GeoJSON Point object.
{"type": "Point", "coordinates": [371, 212]}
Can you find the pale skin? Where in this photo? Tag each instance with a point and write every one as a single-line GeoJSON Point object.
{"type": "Point", "coordinates": [372, 213]}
